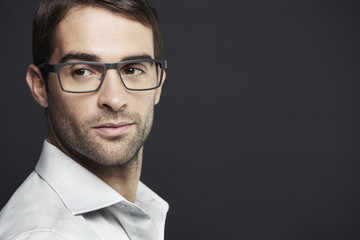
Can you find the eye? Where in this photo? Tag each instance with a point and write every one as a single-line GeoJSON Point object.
{"type": "Point", "coordinates": [82, 72]}
{"type": "Point", "coordinates": [132, 71]}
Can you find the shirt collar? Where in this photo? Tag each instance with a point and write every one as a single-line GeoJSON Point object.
{"type": "Point", "coordinates": [80, 190]}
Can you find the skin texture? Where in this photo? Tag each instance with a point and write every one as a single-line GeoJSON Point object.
{"type": "Point", "coordinates": [104, 131]}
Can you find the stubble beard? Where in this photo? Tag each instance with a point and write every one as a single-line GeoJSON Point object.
{"type": "Point", "coordinates": [81, 141]}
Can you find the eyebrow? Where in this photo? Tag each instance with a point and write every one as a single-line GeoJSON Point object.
{"type": "Point", "coordinates": [80, 56]}
{"type": "Point", "coordinates": [134, 57]}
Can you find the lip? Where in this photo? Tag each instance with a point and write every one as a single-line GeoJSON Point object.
{"type": "Point", "coordinates": [113, 129]}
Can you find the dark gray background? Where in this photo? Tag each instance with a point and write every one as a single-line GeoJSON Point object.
{"type": "Point", "coordinates": [257, 132]}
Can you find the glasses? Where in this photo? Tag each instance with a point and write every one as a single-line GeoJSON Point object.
{"type": "Point", "coordinates": [86, 77]}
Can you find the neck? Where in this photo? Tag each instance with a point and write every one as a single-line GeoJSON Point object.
{"type": "Point", "coordinates": [124, 179]}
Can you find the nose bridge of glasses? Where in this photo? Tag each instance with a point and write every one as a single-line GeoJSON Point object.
{"type": "Point", "coordinates": [108, 66]}
{"type": "Point", "coordinates": [111, 65]}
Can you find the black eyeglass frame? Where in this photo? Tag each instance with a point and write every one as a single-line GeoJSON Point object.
{"type": "Point", "coordinates": [56, 69]}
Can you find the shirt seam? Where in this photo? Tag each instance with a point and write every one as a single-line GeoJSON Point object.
{"type": "Point", "coordinates": [57, 213]}
{"type": "Point", "coordinates": [39, 230]}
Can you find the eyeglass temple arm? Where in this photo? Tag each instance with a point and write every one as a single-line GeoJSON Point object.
{"type": "Point", "coordinates": [47, 67]}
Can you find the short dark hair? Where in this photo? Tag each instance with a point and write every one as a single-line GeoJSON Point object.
{"type": "Point", "coordinates": [51, 12]}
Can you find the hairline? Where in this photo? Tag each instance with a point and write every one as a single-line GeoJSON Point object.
{"type": "Point", "coordinates": [98, 6]}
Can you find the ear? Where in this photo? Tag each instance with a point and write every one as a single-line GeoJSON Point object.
{"type": "Point", "coordinates": [37, 85]}
{"type": "Point", "coordinates": [158, 90]}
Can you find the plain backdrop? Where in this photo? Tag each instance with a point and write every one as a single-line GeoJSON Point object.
{"type": "Point", "coordinates": [257, 132]}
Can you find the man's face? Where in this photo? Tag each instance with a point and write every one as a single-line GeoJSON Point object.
{"type": "Point", "coordinates": [108, 126]}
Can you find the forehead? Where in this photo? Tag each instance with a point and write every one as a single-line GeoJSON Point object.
{"type": "Point", "coordinates": [98, 31]}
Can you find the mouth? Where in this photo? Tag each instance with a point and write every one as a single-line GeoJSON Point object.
{"type": "Point", "coordinates": [113, 129]}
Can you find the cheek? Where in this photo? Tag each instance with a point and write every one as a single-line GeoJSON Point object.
{"type": "Point", "coordinates": [66, 108]}
{"type": "Point", "coordinates": [78, 111]}
{"type": "Point", "coordinates": [144, 103]}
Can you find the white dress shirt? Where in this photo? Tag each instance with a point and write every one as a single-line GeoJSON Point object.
{"type": "Point", "coordinates": [63, 200]}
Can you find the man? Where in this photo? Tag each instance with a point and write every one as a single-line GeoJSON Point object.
{"type": "Point", "coordinates": [97, 72]}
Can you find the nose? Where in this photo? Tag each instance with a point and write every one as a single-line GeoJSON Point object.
{"type": "Point", "coordinates": [112, 93]}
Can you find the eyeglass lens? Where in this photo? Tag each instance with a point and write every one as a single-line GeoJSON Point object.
{"type": "Point", "coordinates": [80, 77]}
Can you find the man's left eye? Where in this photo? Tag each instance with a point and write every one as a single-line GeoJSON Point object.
{"type": "Point", "coordinates": [83, 72]}
{"type": "Point", "coordinates": [133, 71]}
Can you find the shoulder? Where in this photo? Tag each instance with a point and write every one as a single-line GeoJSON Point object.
{"type": "Point", "coordinates": [35, 211]}
{"type": "Point", "coordinates": [33, 205]}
